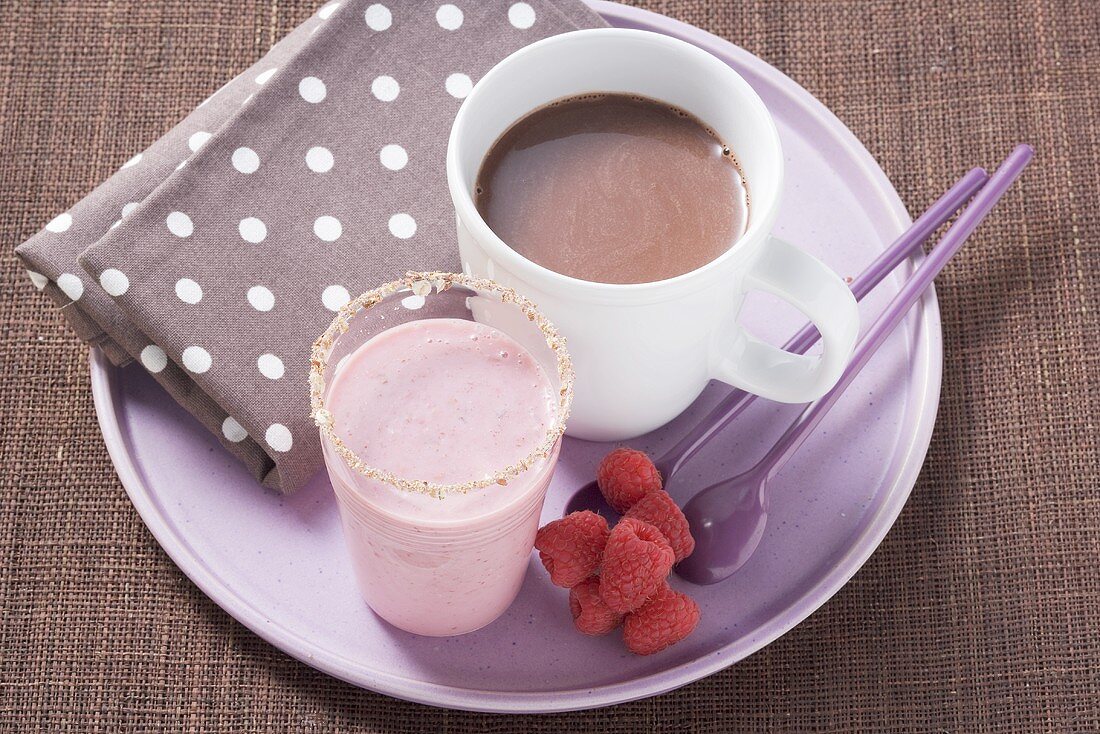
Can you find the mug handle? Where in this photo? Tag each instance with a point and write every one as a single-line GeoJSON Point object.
{"type": "Point", "coordinates": [810, 286]}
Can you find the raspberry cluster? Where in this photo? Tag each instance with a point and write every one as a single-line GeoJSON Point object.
{"type": "Point", "coordinates": [619, 576]}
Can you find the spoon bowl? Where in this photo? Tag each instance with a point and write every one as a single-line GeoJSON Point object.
{"type": "Point", "coordinates": [728, 520]}
{"type": "Point", "coordinates": [589, 497]}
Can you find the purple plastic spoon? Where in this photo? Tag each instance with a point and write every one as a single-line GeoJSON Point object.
{"type": "Point", "coordinates": [588, 497]}
{"type": "Point", "coordinates": [728, 518]}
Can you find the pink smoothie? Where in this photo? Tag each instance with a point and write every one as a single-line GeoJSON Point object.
{"type": "Point", "coordinates": [445, 401]}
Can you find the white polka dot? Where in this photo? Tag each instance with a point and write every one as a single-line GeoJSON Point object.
{"type": "Point", "coordinates": [188, 291]}
{"type": "Point", "coordinates": [129, 208]}
{"type": "Point", "coordinates": [196, 359]}
{"type": "Point", "coordinates": [385, 88]}
{"type": "Point", "coordinates": [328, 228]}
{"type": "Point", "coordinates": [378, 17]}
{"type": "Point", "coordinates": [180, 224]}
{"type": "Point", "coordinates": [261, 298]}
{"type": "Point", "coordinates": [252, 230]}
{"type": "Point", "coordinates": [264, 77]}
{"type": "Point", "coordinates": [327, 10]}
{"type": "Point", "coordinates": [413, 302]}
{"type": "Point", "coordinates": [114, 282]}
{"type": "Point", "coordinates": [270, 366]}
{"type": "Point", "coordinates": [335, 297]}
{"type": "Point", "coordinates": [233, 431]}
{"type": "Point", "coordinates": [319, 160]}
{"type": "Point", "coordinates": [71, 285]}
{"type": "Point", "coordinates": [402, 226]}
{"type": "Point", "coordinates": [278, 437]}
{"type": "Point", "coordinates": [312, 89]}
{"type": "Point", "coordinates": [60, 223]}
{"type": "Point", "coordinates": [245, 160]}
{"type": "Point", "coordinates": [197, 140]}
{"type": "Point", "coordinates": [153, 358]}
{"type": "Point", "coordinates": [393, 157]}
{"type": "Point", "coordinates": [38, 279]}
{"type": "Point", "coordinates": [133, 161]}
{"type": "Point", "coordinates": [521, 15]}
{"type": "Point", "coordinates": [459, 85]}
{"type": "Point", "coordinates": [115, 223]}
{"type": "Point", "coordinates": [449, 17]}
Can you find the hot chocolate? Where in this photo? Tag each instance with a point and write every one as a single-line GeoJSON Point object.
{"type": "Point", "coordinates": [613, 188]}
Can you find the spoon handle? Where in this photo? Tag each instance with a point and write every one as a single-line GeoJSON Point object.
{"type": "Point", "coordinates": [900, 250]}
{"type": "Point", "coordinates": [913, 289]}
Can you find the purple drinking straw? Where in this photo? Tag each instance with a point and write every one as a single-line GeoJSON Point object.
{"type": "Point", "coordinates": [901, 249]}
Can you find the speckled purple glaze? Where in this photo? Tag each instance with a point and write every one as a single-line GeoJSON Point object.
{"type": "Point", "coordinates": [278, 564]}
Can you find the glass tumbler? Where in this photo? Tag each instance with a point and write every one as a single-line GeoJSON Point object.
{"type": "Point", "coordinates": [438, 559]}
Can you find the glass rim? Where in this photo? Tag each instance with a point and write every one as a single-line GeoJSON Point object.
{"type": "Point", "coordinates": [423, 284]}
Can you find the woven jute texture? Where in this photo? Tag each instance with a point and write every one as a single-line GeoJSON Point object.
{"type": "Point", "coordinates": [980, 611]}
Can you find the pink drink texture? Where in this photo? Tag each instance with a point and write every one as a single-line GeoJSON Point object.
{"type": "Point", "coordinates": [446, 401]}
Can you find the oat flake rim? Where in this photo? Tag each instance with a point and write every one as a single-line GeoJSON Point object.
{"type": "Point", "coordinates": [422, 284]}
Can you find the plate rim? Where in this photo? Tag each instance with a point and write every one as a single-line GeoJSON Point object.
{"type": "Point", "coordinates": [105, 392]}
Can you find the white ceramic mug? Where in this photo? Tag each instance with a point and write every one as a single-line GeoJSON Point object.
{"type": "Point", "coordinates": [643, 352]}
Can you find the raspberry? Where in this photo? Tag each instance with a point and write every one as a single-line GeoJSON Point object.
{"type": "Point", "coordinates": [664, 620]}
{"type": "Point", "coordinates": [591, 616]}
{"type": "Point", "coordinates": [625, 476]}
{"type": "Point", "coordinates": [661, 511]}
{"type": "Point", "coordinates": [571, 548]}
{"type": "Point", "coordinates": [636, 562]}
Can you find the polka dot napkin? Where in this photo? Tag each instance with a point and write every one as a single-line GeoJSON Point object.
{"type": "Point", "coordinates": [217, 255]}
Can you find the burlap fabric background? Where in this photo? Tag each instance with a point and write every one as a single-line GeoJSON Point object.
{"type": "Point", "coordinates": [981, 610]}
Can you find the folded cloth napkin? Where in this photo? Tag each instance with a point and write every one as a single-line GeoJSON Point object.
{"type": "Point", "coordinates": [217, 255]}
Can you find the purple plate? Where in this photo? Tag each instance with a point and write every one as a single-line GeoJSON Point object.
{"type": "Point", "coordinates": [278, 564]}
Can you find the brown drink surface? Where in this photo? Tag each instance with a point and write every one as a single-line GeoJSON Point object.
{"type": "Point", "coordinates": [614, 189]}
